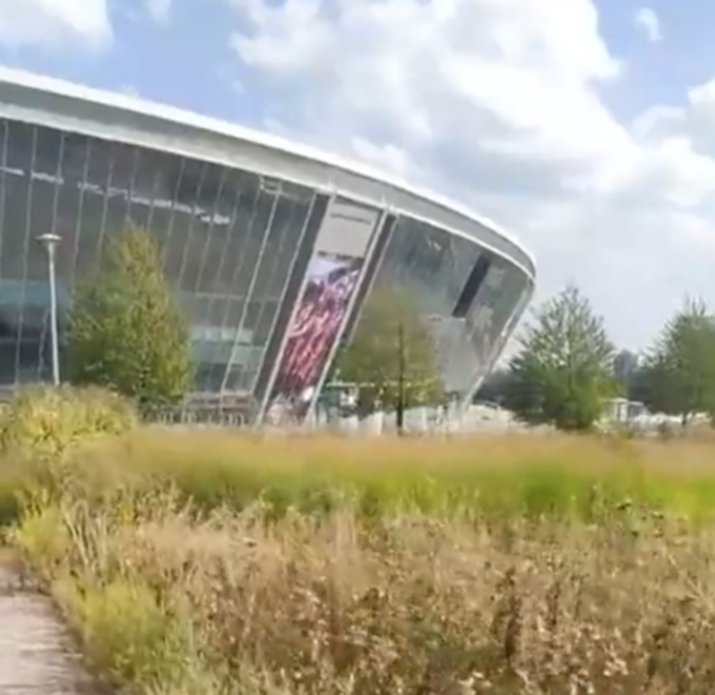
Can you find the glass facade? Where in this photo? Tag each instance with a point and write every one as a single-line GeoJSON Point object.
{"type": "Point", "coordinates": [465, 294]}
{"type": "Point", "coordinates": [228, 238]}
{"type": "Point", "coordinates": [235, 247]}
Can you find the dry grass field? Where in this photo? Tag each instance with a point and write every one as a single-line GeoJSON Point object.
{"type": "Point", "coordinates": [213, 563]}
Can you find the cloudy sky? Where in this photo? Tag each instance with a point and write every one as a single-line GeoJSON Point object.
{"type": "Point", "coordinates": [585, 126]}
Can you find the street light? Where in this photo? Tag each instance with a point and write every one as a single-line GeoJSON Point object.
{"type": "Point", "coordinates": [50, 241]}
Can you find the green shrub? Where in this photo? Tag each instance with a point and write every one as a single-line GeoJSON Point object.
{"type": "Point", "coordinates": [46, 422]}
{"type": "Point", "coordinates": [132, 638]}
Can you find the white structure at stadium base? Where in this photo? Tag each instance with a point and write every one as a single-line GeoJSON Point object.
{"type": "Point", "coordinates": [257, 234]}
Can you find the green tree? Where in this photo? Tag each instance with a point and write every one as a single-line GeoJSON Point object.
{"type": "Point", "coordinates": [678, 377]}
{"type": "Point", "coordinates": [125, 331]}
{"type": "Point", "coordinates": [392, 356]}
{"type": "Point", "coordinates": [564, 368]}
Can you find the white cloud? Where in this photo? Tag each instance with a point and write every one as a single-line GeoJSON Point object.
{"type": "Point", "coordinates": [54, 22]}
{"type": "Point", "coordinates": [159, 10]}
{"type": "Point", "coordinates": [500, 102]}
{"type": "Point", "coordinates": [647, 21]}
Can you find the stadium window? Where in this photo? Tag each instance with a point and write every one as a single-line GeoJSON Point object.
{"type": "Point", "coordinates": [471, 287]}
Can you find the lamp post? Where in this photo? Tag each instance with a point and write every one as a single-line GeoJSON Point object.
{"type": "Point", "coordinates": [50, 241]}
{"type": "Point", "coordinates": [400, 379]}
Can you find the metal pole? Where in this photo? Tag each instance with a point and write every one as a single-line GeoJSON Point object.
{"type": "Point", "coordinates": [50, 241]}
{"type": "Point", "coordinates": [401, 378]}
{"type": "Point", "coordinates": [53, 317]}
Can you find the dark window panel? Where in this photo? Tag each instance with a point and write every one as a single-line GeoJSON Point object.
{"type": "Point", "coordinates": [179, 233]}
{"type": "Point", "coordinates": [247, 205]}
{"type": "Point", "coordinates": [250, 320]}
{"type": "Point", "coordinates": [49, 145]}
{"type": "Point", "coordinates": [88, 232]}
{"type": "Point", "coordinates": [279, 242]}
{"type": "Point", "coordinates": [471, 287]}
{"type": "Point", "coordinates": [217, 234]}
{"type": "Point", "coordinates": [218, 306]}
{"type": "Point", "coordinates": [193, 252]}
{"type": "Point", "coordinates": [7, 363]}
{"type": "Point", "coordinates": [201, 213]}
{"type": "Point", "coordinates": [259, 231]}
{"type": "Point", "coordinates": [233, 379]}
{"type": "Point", "coordinates": [99, 181]}
{"type": "Point", "coordinates": [41, 222]}
{"type": "Point", "coordinates": [166, 191]}
{"type": "Point", "coordinates": [200, 310]}
{"type": "Point", "coordinates": [4, 136]}
{"type": "Point", "coordinates": [136, 157]}
{"type": "Point", "coordinates": [77, 157]}
{"type": "Point", "coordinates": [116, 213]}
{"type": "Point", "coordinates": [28, 361]}
{"type": "Point", "coordinates": [20, 145]}
{"type": "Point", "coordinates": [219, 250]}
{"type": "Point", "coordinates": [252, 226]}
{"type": "Point", "coordinates": [9, 311]}
{"type": "Point", "coordinates": [174, 251]}
{"type": "Point", "coordinates": [12, 263]}
{"type": "Point", "coordinates": [264, 322]}
{"type": "Point", "coordinates": [99, 165]}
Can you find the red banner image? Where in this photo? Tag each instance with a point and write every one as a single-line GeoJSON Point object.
{"type": "Point", "coordinates": [312, 333]}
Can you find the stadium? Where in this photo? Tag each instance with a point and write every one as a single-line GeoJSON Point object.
{"type": "Point", "coordinates": [271, 248]}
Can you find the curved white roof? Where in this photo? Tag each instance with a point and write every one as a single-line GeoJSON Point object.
{"type": "Point", "coordinates": [58, 103]}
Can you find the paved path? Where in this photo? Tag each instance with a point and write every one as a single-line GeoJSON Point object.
{"type": "Point", "coordinates": [37, 656]}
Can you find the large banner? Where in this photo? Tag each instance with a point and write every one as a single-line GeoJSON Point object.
{"type": "Point", "coordinates": [321, 310]}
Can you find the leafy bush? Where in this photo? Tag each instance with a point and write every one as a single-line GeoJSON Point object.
{"type": "Point", "coordinates": [46, 422]}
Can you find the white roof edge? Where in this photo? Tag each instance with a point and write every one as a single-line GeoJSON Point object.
{"type": "Point", "coordinates": [181, 116]}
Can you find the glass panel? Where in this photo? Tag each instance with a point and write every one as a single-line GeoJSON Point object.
{"type": "Point", "coordinates": [201, 224]}
{"type": "Point", "coordinates": [43, 195]}
{"type": "Point", "coordinates": [430, 264]}
{"type": "Point", "coordinates": [9, 320]}
{"type": "Point", "coordinates": [93, 207]}
{"type": "Point", "coordinates": [256, 231]}
{"type": "Point", "coordinates": [4, 136]}
{"type": "Point", "coordinates": [168, 175]}
{"type": "Point", "coordinates": [434, 266]}
{"type": "Point", "coordinates": [7, 359]}
{"type": "Point", "coordinates": [179, 234]}
{"type": "Point", "coordinates": [12, 263]}
{"type": "Point", "coordinates": [141, 188]}
{"type": "Point", "coordinates": [117, 205]}
{"type": "Point", "coordinates": [70, 209]}
{"type": "Point", "coordinates": [218, 234]}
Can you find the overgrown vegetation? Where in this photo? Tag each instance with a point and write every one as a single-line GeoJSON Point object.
{"type": "Point", "coordinates": [212, 563]}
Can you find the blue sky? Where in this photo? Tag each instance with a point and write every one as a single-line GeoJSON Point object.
{"type": "Point", "coordinates": [586, 126]}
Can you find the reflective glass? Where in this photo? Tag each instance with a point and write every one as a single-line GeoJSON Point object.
{"type": "Point", "coordinates": [234, 247]}
{"type": "Point", "coordinates": [428, 263]}
{"type": "Point", "coordinates": [433, 267]}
